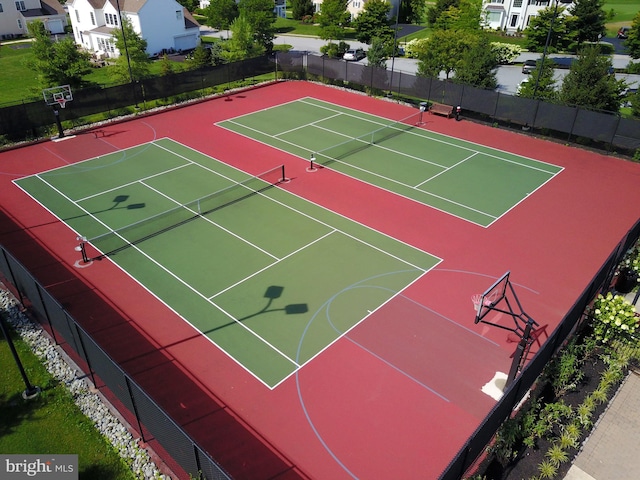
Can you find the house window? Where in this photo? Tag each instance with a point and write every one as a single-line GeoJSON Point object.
{"type": "Point", "coordinates": [1, 8]}
{"type": "Point", "coordinates": [93, 18]}
{"type": "Point", "coordinates": [514, 20]}
{"type": "Point", "coordinates": [78, 16]}
{"type": "Point", "coordinates": [494, 17]}
{"type": "Point", "coordinates": [111, 19]}
{"type": "Point", "coordinates": [178, 14]}
{"type": "Point", "coordinates": [20, 24]}
{"type": "Point", "coordinates": [496, 1]}
{"type": "Point", "coordinates": [517, 3]}
{"type": "Point", "coordinates": [20, 6]}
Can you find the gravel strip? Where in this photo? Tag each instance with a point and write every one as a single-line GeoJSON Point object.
{"type": "Point", "coordinates": [91, 404]}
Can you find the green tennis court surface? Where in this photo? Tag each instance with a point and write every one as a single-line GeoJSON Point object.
{"type": "Point", "coordinates": [267, 276]}
{"type": "Point", "coordinates": [468, 180]}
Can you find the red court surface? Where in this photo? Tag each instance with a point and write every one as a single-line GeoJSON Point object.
{"type": "Point", "coordinates": [397, 396]}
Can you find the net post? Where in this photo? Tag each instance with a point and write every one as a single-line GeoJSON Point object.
{"type": "Point", "coordinates": [283, 178]}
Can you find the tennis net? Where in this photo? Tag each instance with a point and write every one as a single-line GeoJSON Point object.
{"type": "Point", "coordinates": [116, 240]}
{"type": "Point", "coordinates": [356, 144]}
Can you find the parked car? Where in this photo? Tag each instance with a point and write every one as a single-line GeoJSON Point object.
{"type": "Point", "coordinates": [354, 54]}
{"type": "Point", "coordinates": [623, 33]}
{"type": "Point", "coordinates": [529, 66]}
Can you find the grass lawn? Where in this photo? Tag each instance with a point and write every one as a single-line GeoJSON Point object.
{"type": "Point", "coordinates": [17, 81]}
{"type": "Point", "coordinates": [51, 423]}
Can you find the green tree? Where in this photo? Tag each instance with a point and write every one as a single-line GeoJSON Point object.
{"type": "Point", "coordinates": [220, 13]}
{"type": "Point", "coordinates": [138, 62]}
{"type": "Point", "coordinates": [440, 6]}
{"type": "Point", "coordinates": [633, 38]}
{"type": "Point", "coordinates": [301, 8]}
{"type": "Point", "coordinates": [590, 84]}
{"type": "Point", "coordinates": [199, 58]}
{"type": "Point", "coordinates": [588, 21]}
{"type": "Point", "coordinates": [241, 45]}
{"type": "Point", "coordinates": [216, 53]}
{"type": "Point", "coordinates": [378, 53]}
{"type": "Point", "coordinates": [190, 5]}
{"type": "Point", "coordinates": [167, 67]}
{"type": "Point", "coordinates": [477, 65]}
{"type": "Point", "coordinates": [333, 18]}
{"type": "Point", "coordinates": [57, 63]}
{"type": "Point", "coordinates": [261, 18]}
{"type": "Point", "coordinates": [464, 16]}
{"type": "Point", "coordinates": [442, 53]}
{"type": "Point", "coordinates": [541, 83]}
{"type": "Point", "coordinates": [539, 26]}
{"type": "Point", "coordinates": [412, 11]}
{"type": "Point", "coordinates": [373, 21]}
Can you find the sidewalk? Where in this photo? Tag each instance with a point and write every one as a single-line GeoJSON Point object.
{"type": "Point", "coordinates": [610, 452]}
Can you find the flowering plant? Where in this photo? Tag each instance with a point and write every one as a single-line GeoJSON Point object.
{"type": "Point", "coordinates": [614, 318]}
{"type": "Point", "coordinates": [631, 262]}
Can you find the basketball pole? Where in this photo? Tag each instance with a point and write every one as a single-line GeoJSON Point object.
{"type": "Point", "coordinates": [56, 112]}
{"type": "Point", "coordinates": [519, 353]}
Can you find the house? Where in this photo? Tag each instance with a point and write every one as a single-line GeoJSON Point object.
{"type": "Point", "coordinates": [514, 15]}
{"type": "Point", "coordinates": [15, 15]}
{"type": "Point", "coordinates": [165, 25]}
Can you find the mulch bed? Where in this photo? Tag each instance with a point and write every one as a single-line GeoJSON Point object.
{"type": "Point", "coordinates": [525, 466]}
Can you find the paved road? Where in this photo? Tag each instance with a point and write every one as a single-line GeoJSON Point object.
{"type": "Point", "coordinates": [508, 76]}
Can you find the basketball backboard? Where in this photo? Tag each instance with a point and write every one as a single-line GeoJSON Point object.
{"type": "Point", "coordinates": [491, 297]}
{"type": "Point", "coordinates": [59, 95]}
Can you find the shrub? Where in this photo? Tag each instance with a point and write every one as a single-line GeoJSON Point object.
{"type": "Point", "coordinates": [613, 318]}
{"type": "Point", "coordinates": [505, 52]}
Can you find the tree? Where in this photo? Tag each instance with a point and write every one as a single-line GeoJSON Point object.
{"type": "Point", "coordinates": [190, 5]}
{"type": "Point", "coordinates": [440, 6]}
{"type": "Point", "coordinates": [478, 63]}
{"type": "Point", "coordinates": [538, 30]}
{"type": "Point", "coordinates": [377, 53]}
{"type": "Point", "coordinates": [333, 18]}
{"type": "Point", "coordinates": [590, 83]}
{"type": "Point", "coordinates": [301, 8]}
{"type": "Point", "coordinates": [59, 63]}
{"type": "Point", "coordinates": [412, 11]}
{"type": "Point", "coordinates": [241, 45]}
{"type": "Point", "coordinates": [464, 16]}
{"type": "Point", "coordinates": [199, 58]}
{"type": "Point", "coordinates": [261, 18]}
{"type": "Point", "coordinates": [633, 38]}
{"type": "Point", "coordinates": [541, 83]}
{"type": "Point", "coordinates": [373, 21]}
{"type": "Point", "coordinates": [220, 13]}
{"type": "Point", "coordinates": [442, 53]}
{"type": "Point", "coordinates": [137, 64]}
{"type": "Point", "coordinates": [588, 21]}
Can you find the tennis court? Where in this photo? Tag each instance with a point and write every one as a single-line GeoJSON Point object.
{"type": "Point", "coordinates": [470, 181]}
{"type": "Point", "coordinates": [251, 266]}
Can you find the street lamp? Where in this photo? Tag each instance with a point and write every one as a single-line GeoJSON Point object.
{"type": "Point", "coordinates": [124, 39]}
{"type": "Point", "coordinates": [546, 47]}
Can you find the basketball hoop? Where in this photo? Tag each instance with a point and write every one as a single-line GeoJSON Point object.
{"type": "Point", "coordinates": [476, 299]}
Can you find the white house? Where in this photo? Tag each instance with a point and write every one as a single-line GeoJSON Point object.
{"type": "Point", "coordinates": [164, 24]}
{"type": "Point", "coordinates": [514, 15]}
{"type": "Point", "coordinates": [15, 15]}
